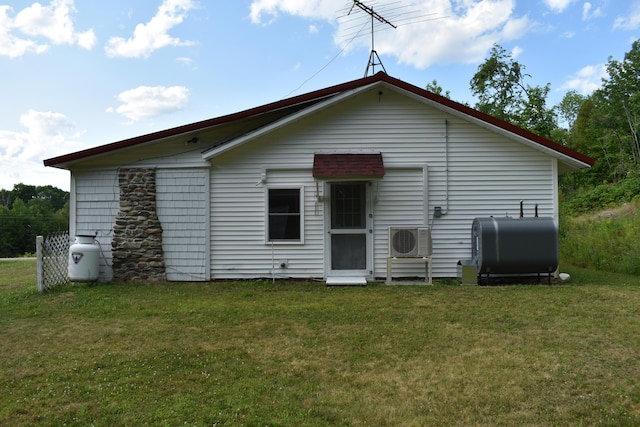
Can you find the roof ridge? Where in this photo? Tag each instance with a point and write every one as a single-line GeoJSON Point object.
{"type": "Point", "coordinates": [317, 95]}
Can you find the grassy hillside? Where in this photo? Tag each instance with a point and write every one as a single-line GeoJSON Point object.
{"type": "Point", "coordinates": [600, 228]}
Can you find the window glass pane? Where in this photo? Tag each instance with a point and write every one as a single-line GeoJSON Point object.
{"type": "Point", "coordinates": [284, 214]}
{"type": "Point", "coordinates": [284, 227]}
{"type": "Point", "coordinates": [284, 201]}
{"type": "Point", "coordinates": [348, 207]}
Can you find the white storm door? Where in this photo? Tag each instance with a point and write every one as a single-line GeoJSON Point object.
{"type": "Point", "coordinates": [349, 240]}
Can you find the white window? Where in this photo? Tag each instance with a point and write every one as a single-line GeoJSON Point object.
{"type": "Point", "coordinates": [284, 215]}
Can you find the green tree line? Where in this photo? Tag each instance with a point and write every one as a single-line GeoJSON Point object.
{"type": "Point", "coordinates": [28, 211]}
{"type": "Point", "coordinates": [604, 125]}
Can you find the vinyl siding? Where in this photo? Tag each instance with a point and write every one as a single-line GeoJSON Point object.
{"type": "Point", "coordinates": [239, 247]}
{"type": "Point", "coordinates": [214, 218]}
{"type": "Point", "coordinates": [488, 174]}
{"type": "Point", "coordinates": [401, 202]}
{"type": "Point", "coordinates": [181, 197]}
{"type": "Point", "coordinates": [97, 200]}
{"type": "Point", "coordinates": [182, 206]}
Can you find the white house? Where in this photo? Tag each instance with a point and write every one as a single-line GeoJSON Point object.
{"type": "Point", "coordinates": [308, 187]}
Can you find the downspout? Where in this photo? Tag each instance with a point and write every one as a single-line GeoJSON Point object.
{"type": "Point", "coordinates": [438, 211]}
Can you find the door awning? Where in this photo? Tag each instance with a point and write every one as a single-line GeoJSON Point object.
{"type": "Point", "coordinates": [327, 166]}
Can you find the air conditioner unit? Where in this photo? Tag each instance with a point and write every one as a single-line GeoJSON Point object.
{"type": "Point", "coordinates": [409, 242]}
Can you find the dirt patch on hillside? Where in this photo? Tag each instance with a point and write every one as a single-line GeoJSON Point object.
{"type": "Point", "coordinates": [624, 210]}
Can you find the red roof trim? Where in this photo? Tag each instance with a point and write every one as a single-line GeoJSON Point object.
{"type": "Point", "coordinates": [492, 120]}
{"type": "Point", "coordinates": [379, 77]}
{"type": "Point", "coordinates": [347, 165]}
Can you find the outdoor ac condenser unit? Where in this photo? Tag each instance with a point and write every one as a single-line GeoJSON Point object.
{"type": "Point", "coordinates": [409, 242]}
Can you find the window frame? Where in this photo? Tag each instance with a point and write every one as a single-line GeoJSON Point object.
{"type": "Point", "coordinates": [267, 215]}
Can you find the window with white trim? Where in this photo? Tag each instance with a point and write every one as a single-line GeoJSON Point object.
{"type": "Point", "coordinates": [284, 215]}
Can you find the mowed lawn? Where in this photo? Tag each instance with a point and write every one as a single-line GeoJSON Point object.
{"type": "Point", "coordinates": [301, 354]}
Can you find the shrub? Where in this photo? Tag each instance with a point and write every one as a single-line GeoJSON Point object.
{"type": "Point", "coordinates": [601, 197]}
{"type": "Point", "coordinates": [603, 243]}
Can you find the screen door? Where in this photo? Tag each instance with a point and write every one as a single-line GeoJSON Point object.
{"type": "Point", "coordinates": [349, 228]}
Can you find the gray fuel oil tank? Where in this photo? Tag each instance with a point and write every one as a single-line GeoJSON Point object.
{"type": "Point", "coordinates": [514, 245]}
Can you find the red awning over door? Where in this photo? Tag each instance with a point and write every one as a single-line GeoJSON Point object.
{"type": "Point", "coordinates": [327, 166]}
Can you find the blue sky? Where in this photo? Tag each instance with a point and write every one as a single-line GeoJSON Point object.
{"type": "Point", "coordinates": [78, 74]}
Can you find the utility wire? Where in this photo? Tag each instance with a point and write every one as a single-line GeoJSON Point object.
{"type": "Point", "coordinates": [328, 63]}
{"type": "Point", "coordinates": [395, 9]}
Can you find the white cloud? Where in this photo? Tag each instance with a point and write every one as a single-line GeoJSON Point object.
{"type": "Point", "coordinates": [516, 51]}
{"type": "Point", "coordinates": [631, 21]}
{"type": "Point", "coordinates": [146, 102]}
{"type": "Point", "coordinates": [586, 80]}
{"type": "Point", "coordinates": [47, 134]}
{"type": "Point", "coordinates": [11, 45]}
{"type": "Point", "coordinates": [322, 9]}
{"type": "Point", "coordinates": [589, 13]}
{"type": "Point", "coordinates": [455, 31]}
{"type": "Point", "coordinates": [154, 34]}
{"type": "Point", "coordinates": [465, 35]}
{"type": "Point", "coordinates": [558, 5]}
{"type": "Point", "coordinates": [52, 23]}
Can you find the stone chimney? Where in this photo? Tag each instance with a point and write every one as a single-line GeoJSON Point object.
{"type": "Point", "coordinates": [137, 233]}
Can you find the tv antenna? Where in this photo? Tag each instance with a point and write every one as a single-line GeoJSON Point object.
{"type": "Point", "coordinates": [374, 58]}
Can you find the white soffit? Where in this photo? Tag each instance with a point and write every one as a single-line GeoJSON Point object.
{"type": "Point", "coordinates": [207, 155]}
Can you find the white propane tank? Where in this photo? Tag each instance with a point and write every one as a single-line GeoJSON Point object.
{"type": "Point", "coordinates": [84, 260]}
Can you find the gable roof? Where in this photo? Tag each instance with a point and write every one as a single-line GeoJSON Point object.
{"type": "Point", "coordinates": [246, 122]}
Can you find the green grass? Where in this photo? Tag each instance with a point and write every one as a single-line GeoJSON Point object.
{"type": "Point", "coordinates": [608, 240]}
{"type": "Point", "coordinates": [17, 275]}
{"type": "Point", "coordinates": [263, 354]}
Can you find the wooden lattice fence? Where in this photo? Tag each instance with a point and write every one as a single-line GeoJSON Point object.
{"type": "Point", "coordinates": [53, 254]}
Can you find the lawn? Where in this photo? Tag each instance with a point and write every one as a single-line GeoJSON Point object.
{"type": "Point", "coordinates": [284, 354]}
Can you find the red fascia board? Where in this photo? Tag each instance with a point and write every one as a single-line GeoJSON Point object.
{"type": "Point", "coordinates": [491, 120]}
{"type": "Point", "coordinates": [326, 92]}
{"type": "Point", "coordinates": [197, 126]}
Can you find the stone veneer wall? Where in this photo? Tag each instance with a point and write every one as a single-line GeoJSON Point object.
{"type": "Point", "coordinates": [137, 233]}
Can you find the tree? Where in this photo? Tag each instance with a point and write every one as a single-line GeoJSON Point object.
{"type": "Point", "coordinates": [534, 114]}
{"type": "Point", "coordinates": [31, 211]}
{"type": "Point", "coordinates": [6, 198]}
{"type": "Point", "coordinates": [607, 126]}
{"type": "Point", "coordinates": [7, 240]}
{"type": "Point", "coordinates": [567, 110]}
{"type": "Point", "coordinates": [501, 91]}
{"type": "Point", "coordinates": [24, 192]}
{"type": "Point", "coordinates": [622, 89]}
{"type": "Point", "coordinates": [437, 89]}
{"type": "Point", "coordinates": [588, 137]}
{"type": "Point", "coordinates": [55, 196]}
{"type": "Point", "coordinates": [497, 84]}
{"type": "Point", "coordinates": [569, 107]}
{"type": "Point", "coordinates": [23, 234]}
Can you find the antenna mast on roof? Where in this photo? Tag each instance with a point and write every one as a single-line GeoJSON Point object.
{"type": "Point", "coordinates": [374, 59]}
